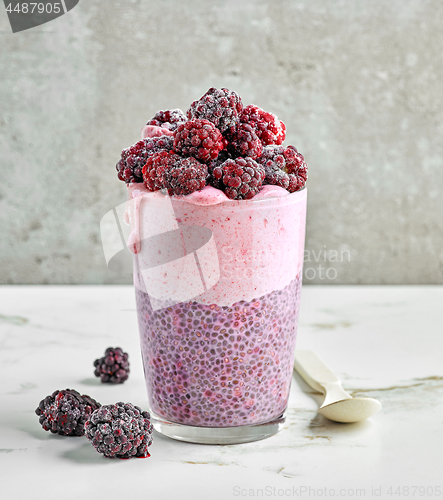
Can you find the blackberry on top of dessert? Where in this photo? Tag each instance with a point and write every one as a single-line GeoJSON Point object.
{"type": "Point", "coordinates": [218, 142]}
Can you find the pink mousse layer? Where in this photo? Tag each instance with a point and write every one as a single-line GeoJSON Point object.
{"type": "Point", "coordinates": [255, 246]}
{"type": "Point", "coordinates": [153, 131]}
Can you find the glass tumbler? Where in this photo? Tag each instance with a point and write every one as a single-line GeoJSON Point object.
{"type": "Point", "coordinates": [218, 292]}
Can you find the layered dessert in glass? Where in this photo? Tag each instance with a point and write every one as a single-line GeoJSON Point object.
{"type": "Point", "coordinates": [217, 210]}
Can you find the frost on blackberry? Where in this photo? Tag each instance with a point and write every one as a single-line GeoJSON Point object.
{"type": "Point", "coordinates": [241, 178]}
{"type": "Point", "coordinates": [178, 175]}
{"type": "Point", "coordinates": [156, 168]}
{"type": "Point", "coordinates": [284, 167]}
{"type": "Point", "coordinates": [220, 106]}
{"type": "Point", "coordinates": [121, 430]}
{"type": "Point", "coordinates": [245, 142]}
{"type": "Point", "coordinates": [169, 119]}
{"type": "Point", "coordinates": [132, 160]}
{"type": "Point", "coordinates": [65, 412]}
{"type": "Point", "coordinates": [216, 128]}
{"type": "Point", "coordinates": [221, 158]}
{"type": "Point", "coordinates": [187, 176]}
{"type": "Point", "coordinates": [113, 367]}
{"type": "Point", "coordinates": [199, 139]}
{"type": "Point", "coordinates": [267, 126]}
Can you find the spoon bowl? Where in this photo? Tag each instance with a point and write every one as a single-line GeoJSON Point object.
{"type": "Point", "coordinates": [338, 405]}
{"type": "Point", "coordinates": [350, 410]}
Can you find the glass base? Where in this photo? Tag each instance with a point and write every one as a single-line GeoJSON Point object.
{"type": "Point", "coordinates": [217, 435]}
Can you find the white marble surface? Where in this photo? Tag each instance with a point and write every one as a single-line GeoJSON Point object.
{"type": "Point", "coordinates": [385, 342]}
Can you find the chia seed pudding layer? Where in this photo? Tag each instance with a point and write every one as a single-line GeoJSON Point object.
{"type": "Point", "coordinates": [220, 366]}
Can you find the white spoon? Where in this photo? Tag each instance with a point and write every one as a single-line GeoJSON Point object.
{"type": "Point", "coordinates": [338, 405]}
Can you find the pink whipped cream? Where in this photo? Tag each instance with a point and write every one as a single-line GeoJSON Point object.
{"type": "Point", "coordinates": [254, 246]}
{"type": "Point", "coordinates": [154, 131]}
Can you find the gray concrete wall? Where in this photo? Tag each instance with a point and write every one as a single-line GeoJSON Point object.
{"type": "Point", "coordinates": [357, 82]}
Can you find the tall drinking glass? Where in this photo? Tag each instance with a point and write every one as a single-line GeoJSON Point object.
{"type": "Point", "coordinates": [218, 293]}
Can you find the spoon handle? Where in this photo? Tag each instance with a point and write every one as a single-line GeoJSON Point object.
{"type": "Point", "coordinates": [313, 370]}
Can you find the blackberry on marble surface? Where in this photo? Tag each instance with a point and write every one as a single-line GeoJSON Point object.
{"type": "Point", "coordinates": [65, 412]}
{"type": "Point", "coordinates": [113, 367]}
{"type": "Point", "coordinates": [121, 430]}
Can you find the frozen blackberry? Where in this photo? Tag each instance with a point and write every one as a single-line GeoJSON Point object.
{"type": "Point", "coordinates": [220, 106]}
{"type": "Point", "coordinates": [132, 160]}
{"type": "Point", "coordinates": [221, 158]}
{"type": "Point", "coordinates": [113, 367]}
{"type": "Point", "coordinates": [189, 175]}
{"type": "Point", "coordinates": [157, 166]}
{"type": "Point", "coordinates": [295, 162]}
{"type": "Point", "coordinates": [241, 178]}
{"type": "Point", "coordinates": [169, 119]}
{"type": "Point", "coordinates": [65, 412]}
{"type": "Point", "coordinates": [180, 176]}
{"type": "Point", "coordinates": [198, 138]}
{"type": "Point", "coordinates": [276, 177]}
{"type": "Point", "coordinates": [245, 142]}
{"type": "Point", "coordinates": [284, 167]}
{"type": "Point", "coordinates": [121, 430]}
{"type": "Point", "coordinates": [267, 126]}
